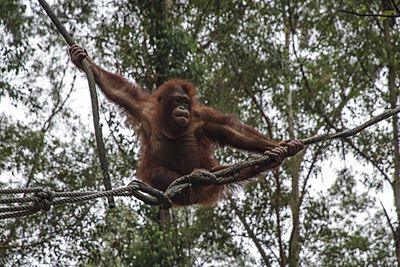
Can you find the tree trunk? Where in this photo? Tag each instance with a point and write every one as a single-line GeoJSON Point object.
{"type": "Point", "coordinates": [393, 98]}
{"type": "Point", "coordinates": [294, 242]}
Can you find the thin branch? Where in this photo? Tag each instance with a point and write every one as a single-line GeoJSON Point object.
{"type": "Point", "coordinates": [46, 126]}
{"type": "Point", "coordinates": [329, 120]}
{"type": "Point", "coordinates": [277, 206]}
{"type": "Point", "coordinates": [374, 162]}
{"type": "Point", "coordinates": [258, 105]}
{"type": "Point", "coordinates": [59, 105]}
{"type": "Point", "coordinates": [388, 220]}
{"type": "Point", "coordinates": [251, 233]}
{"type": "Point", "coordinates": [303, 188]}
{"type": "Point", "coordinates": [395, 6]}
{"type": "Point", "coordinates": [368, 15]}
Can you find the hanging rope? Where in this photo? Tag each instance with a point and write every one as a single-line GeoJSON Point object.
{"type": "Point", "coordinates": [93, 97]}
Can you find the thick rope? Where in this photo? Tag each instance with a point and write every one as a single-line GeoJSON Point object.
{"type": "Point", "coordinates": [93, 97]}
{"type": "Point", "coordinates": [42, 200]}
{"type": "Point", "coordinates": [229, 175]}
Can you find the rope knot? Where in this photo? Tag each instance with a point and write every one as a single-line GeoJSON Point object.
{"type": "Point", "coordinates": [43, 200]}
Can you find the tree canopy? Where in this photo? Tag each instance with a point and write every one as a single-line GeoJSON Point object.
{"type": "Point", "coordinates": [292, 69]}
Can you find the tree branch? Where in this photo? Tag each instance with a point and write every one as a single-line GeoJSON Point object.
{"type": "Point", "coordinates": [368, 15]}
{"type": "Point", "coordinates": [251, 233]}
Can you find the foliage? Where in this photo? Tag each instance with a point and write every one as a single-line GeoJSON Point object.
{"type": "Point", "coordinates": [302, 66]}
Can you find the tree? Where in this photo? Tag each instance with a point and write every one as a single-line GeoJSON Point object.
{"type": "Point", "coordinates": [291, 69]}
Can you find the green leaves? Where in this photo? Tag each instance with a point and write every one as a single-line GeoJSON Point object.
{"type": "Point", "coordinates": [386, 13]}
{"type": "Point", "coordinates": [246, 58]}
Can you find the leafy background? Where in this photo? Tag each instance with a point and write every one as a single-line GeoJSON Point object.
{"type": "Point", "coordinates": [289, 68]}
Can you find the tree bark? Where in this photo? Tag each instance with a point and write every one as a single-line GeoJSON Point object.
{"type": "Point", "coordinates": [294, 169]}
{"type": "Point", "coordinates": [393, 98]}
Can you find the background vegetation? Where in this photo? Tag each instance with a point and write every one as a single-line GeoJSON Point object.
{"type": "Point", "coordinates": [290, 68]}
